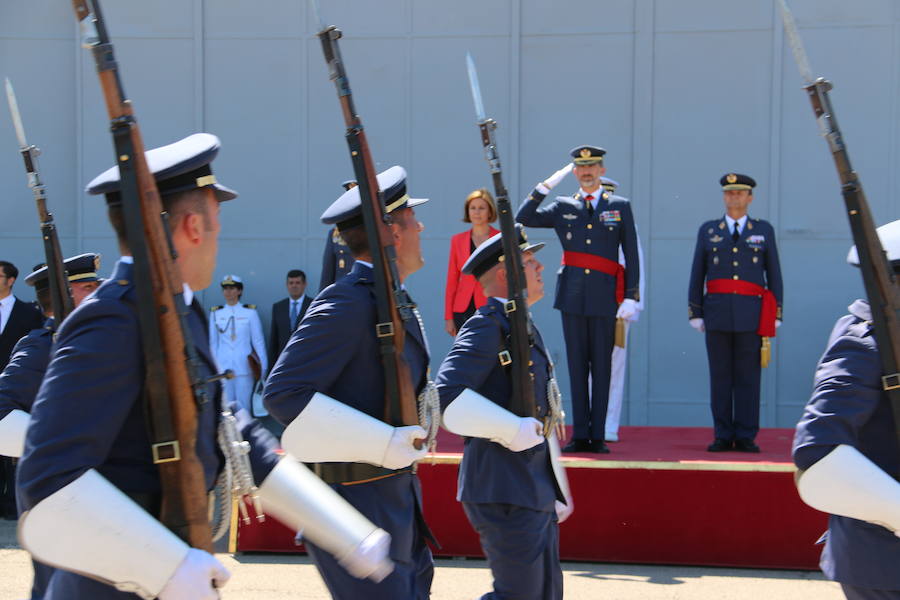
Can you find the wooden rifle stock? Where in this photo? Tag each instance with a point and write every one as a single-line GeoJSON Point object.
{"type": "Point", "coordinates": [170, 377]}
{"type": "Point", "coordinates": [881, 286]}
{"type": "Point", "coordinates": [392, 302]}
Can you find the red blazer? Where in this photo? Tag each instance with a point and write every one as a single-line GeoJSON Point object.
{"type": "Point", "coordinates": [461, 288]}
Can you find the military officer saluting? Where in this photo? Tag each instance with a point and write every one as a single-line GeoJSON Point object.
{"type": "Point", "coordinates": [337, 259]}
{"type": "Point", "coordinates": [592, 288]}
{"type": "Point", "coordinates": [737, 259]}
{"type": "Point", "coordinates": [87, 477]}
{"type": "Point", "coordinates": [847, 452]}
{"type": "Point", "coordinates": [237, 342]}
{"type": "Point", "coordinates": [507, 483]}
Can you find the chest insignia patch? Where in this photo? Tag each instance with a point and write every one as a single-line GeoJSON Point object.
{"type": "Point", "coordinates": [716, 239]}
{"type": "Point", "coordinates": [570, 216]}
{"type": "Point", "coordinates": [756, 239]}
{"type": "Point", "coordinates": [611, 216]}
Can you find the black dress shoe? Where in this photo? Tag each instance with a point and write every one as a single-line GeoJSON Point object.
{"type": "Point", "coordinates": [599, 447]}
{"type": "Point", "coordinates": [746, 445]}
{"type": "Point", "coordinates": [578, 446]}
{"type": "Point", "coordinates": [719, 445]}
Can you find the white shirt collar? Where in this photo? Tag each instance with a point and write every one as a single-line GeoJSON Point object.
{"type": "Point", "coordinates": [188, 292]}
{"type": "Point", "coordinates": [741, 222]}
{"type": "Point", "coordinates": [8, 301]}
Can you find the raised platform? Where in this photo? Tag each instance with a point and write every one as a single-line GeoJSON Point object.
{"type": "Point", "coordinates": [658, 497]}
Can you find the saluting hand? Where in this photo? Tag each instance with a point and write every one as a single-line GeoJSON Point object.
{"type": "Point", "coordinates": [554, 179]}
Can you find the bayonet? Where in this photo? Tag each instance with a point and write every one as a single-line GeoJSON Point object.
{"type": "Point", "coordinates": [795, 42]}
{"type": "Point", "coordinates": [60, 296]}
{"type": "Point", "coordinates": [476, 89]}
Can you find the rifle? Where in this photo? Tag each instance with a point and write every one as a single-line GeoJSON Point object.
{"type": "Point", "coordinates": [60, 295]}
{"type": "Point", "coordinates": [881, 286]}
{"type": "Point", "coordinates": [172, 386]}
{"type": "Point", "coordinates": [522, 402]}
{"type": "Point", "coordinates": [393, 305]}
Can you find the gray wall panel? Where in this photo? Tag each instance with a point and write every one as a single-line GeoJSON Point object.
{"type": "Point", "coordinates": [678, 93]}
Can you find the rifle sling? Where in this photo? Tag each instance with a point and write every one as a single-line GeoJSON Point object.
{"type": "Point", "coordinates": [162, 433]}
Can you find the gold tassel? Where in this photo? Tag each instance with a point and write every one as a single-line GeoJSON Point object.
{"type": "Point", "coordinates": [620, 333]}
{"type": "Point", "coordinates": [765, 353]}
{"type": "Point", "coordinates": [233, 533]}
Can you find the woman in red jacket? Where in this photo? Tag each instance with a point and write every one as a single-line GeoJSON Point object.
{"type": "Point", "coordinates": [463, 294]}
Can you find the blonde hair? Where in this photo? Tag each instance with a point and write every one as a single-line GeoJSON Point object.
{"type": "Point", "coordinates": [485, 195]}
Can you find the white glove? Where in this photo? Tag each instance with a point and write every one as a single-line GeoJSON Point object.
{"type": "Point", "coordinates": [563, 510]}
{"type": "Point", "coordinates": [698, 325]}
{"type": "Point", "coordinates": [548, 184]}
{"type": "Point", "coordinates": [195, 577]}
{"type": "Point", "coordinates": [528, 436]}
{"type": "Point", "coordinates": [370, 558]}
{"type": "Point", "coordinates": [627, 310]}
{"type": "Point", "coordinates": [400, 451]}
{"type": "Point", "coordinates": [777, 323]}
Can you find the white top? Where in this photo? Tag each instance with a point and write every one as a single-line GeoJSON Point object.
{"type": "Point", "coordinates": [234, 333]}
{"type": "Point", "coordinates": [6, 306]}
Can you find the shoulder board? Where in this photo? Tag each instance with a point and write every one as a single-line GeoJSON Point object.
{"type": "Point", "coordinates": [615, 198]}
{"type": "Point", "coordinates": [215, 308]}
{"type": "Point", "coordinates": [253, 306]}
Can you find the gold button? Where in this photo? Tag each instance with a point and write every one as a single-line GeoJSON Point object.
{"type": "Point", "coordinates": [588, 241]}
{"type": "Point", "coordinates": [735, 277]}
{"type": "Point", "coordinates": [755, 259]}
{"type": "Point", "coordinates": [756, 249]}
{"type": "Point", "coordinates": [586, 271]}
{"type": "Point", "coordinates": [590, 226]}
{"type": "Point", "coordinates": [715, 249]}
{"type": "Point", "coordinates": [610, 228]}
{"type": "Point", "coordinates": [530, 363]}
{"type": "Point", "coordinates": [734, 263]}
{"type": "Point", "coordinates": [122, 282]}
{"type": "Point", "coordinates": [734, 249]}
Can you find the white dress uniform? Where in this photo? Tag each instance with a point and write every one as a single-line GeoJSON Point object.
{"type": "Point", "coordinates": [234, 332]}
{"type": "Point", "coordinates": [620, 355]}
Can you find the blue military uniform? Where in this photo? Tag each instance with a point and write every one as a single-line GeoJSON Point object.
{"type": "Point", "coordinates": [90, 411]}
{"type": "Point", "coordinates": [334, 351]}
{"type": "Point", "coordinates": [509, 497]}
{"type": "Point", "coordinates": [848, 407]}
{"type": "Point", "coordinates": [585, 295]}
{"type": "Point", "coordinates": [732, 320]}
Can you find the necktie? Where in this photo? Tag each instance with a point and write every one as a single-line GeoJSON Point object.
{"type": "Point", "coordinates": [590, 207]}
{"type": "Point", "coordinates": [293, 314]}
{"type": "Point", "coordinates": [736, 234]}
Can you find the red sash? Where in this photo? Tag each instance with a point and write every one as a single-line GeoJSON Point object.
{"type": "Point", "coordinates": [767, 311]}
{"type": "Point", "coordinates": [583, 260]}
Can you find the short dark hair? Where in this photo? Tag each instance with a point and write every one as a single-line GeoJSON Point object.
{"type": "Point", "coordinates": [9, 269]}
{"type": "Point", "coordinates": [356, 239]}
{"type": "Point", "coordinates": [296, 273]}
{"type": "Point", "coordinates": [176, 205]}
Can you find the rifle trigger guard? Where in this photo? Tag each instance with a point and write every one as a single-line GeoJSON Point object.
{"type": "Point", "coordinates": [890, 382]}
{"type": "Point", "coordinates": [384, 329]}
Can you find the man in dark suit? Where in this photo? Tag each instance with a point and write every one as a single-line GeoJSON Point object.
{"type": "Point", "coordinates": [738, 308]}
{"type": "Point", "coordinates": [17, 318]}
{"type": "Point", "coordinates": [288, 312]}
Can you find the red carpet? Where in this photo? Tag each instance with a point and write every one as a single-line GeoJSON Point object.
{"type": "Point", "coordinates": [659, 497]}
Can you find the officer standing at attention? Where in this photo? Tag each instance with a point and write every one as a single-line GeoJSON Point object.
{"type": "Point", "coordinates": [848, 455]}
{"type": "Point", "coordinates": [506, 481]}
{"type": "Point", "coordinates": [21, 379]}
{"type": "Point", "coordinates": [328, 388]}
{"type": "Point", "coordinates": [87, 478]}
{"type": "Point", "coordinates": [337, 259]}
{"type": "Point", "coordinates": [736, 257]}
{"type": "Point", "coordinates": [592, 288]}
{"type": "Point", "coordinates": [237, 342]}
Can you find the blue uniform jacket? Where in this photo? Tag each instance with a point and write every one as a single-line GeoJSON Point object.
{"type": "Point", "coordinates": [490, 473]}
{"type": "Point", "coordinates": [90, 413]}
{"type": "Point", "coordinates": [580, 291]}
{"type": "Point", "coordinates": [336, 260]}
{"type": "Point", "coordinates": [848, 407]}
{"type": "Point", "coordinates": [334, 351]}
{"type": "Point", "coordinates": [21, 379]}
{"type": "Point", "coordinates": [753, 258]}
